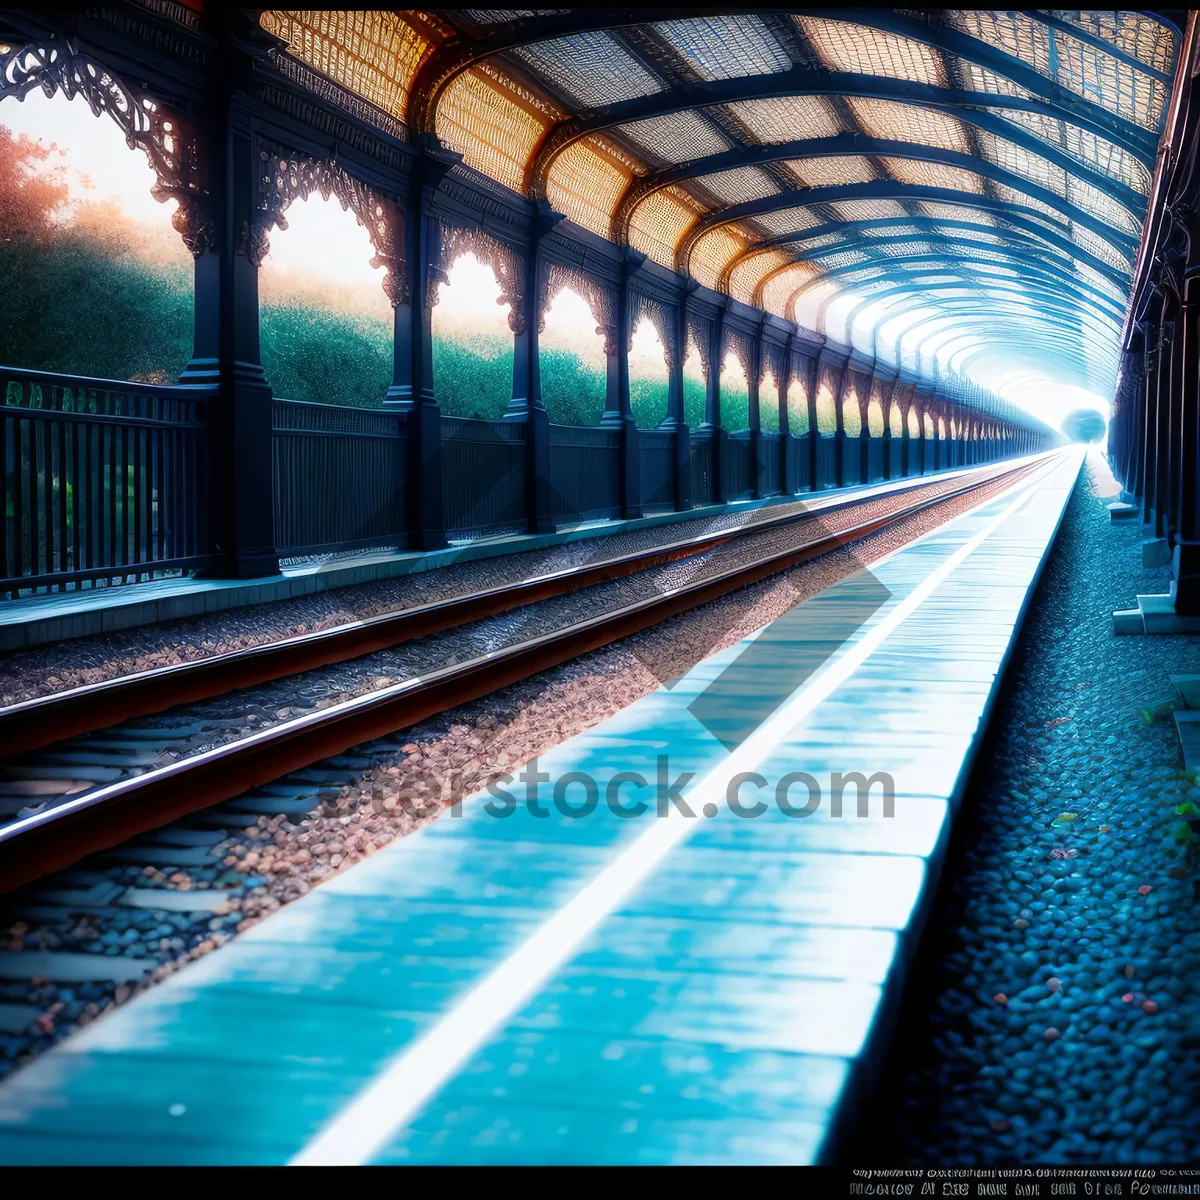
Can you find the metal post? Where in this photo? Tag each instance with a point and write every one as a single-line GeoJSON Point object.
{"type": "Point", "coordinates": [240, 490]}
{"type": "Point", "coordinates": [675, 417]}
{"type": "Point", "coordinates": [526, 405]}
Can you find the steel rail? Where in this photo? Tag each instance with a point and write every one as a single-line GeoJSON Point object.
{"type": "Point", "coordinates": [109, 815]}
{"type": "Point", "coordinates": [32, 724]}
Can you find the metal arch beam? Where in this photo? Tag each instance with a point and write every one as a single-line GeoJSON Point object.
{"type": "Point", "coordinates": [1048, 271]}
{"type": "Point", "coordinates": [902, 301]}
{"type": "Point", "coordinates": [1047, 350]}
{"type": "Point", "coordinates": [1043, 269]}
{"type": "Point", "coordinates": [882, 189]}
{"type": "Point", "coordinates": [1021, 252]}
{"type": "Point", "coordinates": [859, 144]}
{"type": "Point", "coordinates": [1074, 317]}
{"type": "Point", "coordinates": [1013, 254]}
{"type": "Point", "coordinates": [1050, 313]}
{"type": "Point", "coordinates": [810, 81]}
{"type": "Point", "coordinates": [1098, 43]}
{"type": "Point", "coordinates": [984, 351]}
{"type": "Point", "coordinates": [1067, 285]}
{"type": "Point", "coordinates": [1039, 233]}
{"type": "Point", "coordinates": [936, 266]}
{"type": "Point", "coordinates": [971, 49]}
{"type": "Point", "coordinates": [973, 328]}
{"type": "Point", "coordinates": [1052, 339]}
{"type": "Point", "coordinates": [460, 52]}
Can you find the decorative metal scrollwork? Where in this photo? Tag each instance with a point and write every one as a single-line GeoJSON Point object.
{"type": "Point", "coordinates": [662, 320]}
{"type": "Point", "coordinates": [773, 362]}
{"type": "Point", "coordinates": [285, 177]}
{"type": "Point", "coordinates": [601, 299]}
{"type": "Point", "coordinates": [168, 141]}
{"type": "Point", "coordinates": [507, 263]}
{"type": "Point", "coordinates": [700, 330]}
{"type": "Point", "coordinates": [743, 351]}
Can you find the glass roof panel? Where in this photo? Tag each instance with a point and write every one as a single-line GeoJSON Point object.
{"type": "Point", "coordinates": [927, 174]}
{"type": "Point", "coordinates": [778, 291]}
{"type": "Point", "coordinates": [1074, 64]}
{"type": "Point", "coordinates": [787, 118]}
{"type": "Point", "coordinates": [1097, 247]}
{"type": "Point", "coordinates": [825, 239]}
{"type": "Point", "coordinates": [491, 124]}
{"type": "Point", "coordinates": [725, 47]}
{"type": "Point", "coordinates": [660, 222]}
{"type": "Point", "coordinates": [842, 258]}
{"type": "Point", "coordinates": [674, 138]}
{"type": "Point", "coordinates": [1098, 204]}
{"type": "Point", "coordinates": [373, 54]}
{"type": "Point", "coordinates": [739, 185]}
{"type": "Point", "coordinates": [887, 231]}
{"type": "Point", "coordinates": [586, 183]}
{"type": "Point", "coordinates": [854, 48]}
{"type": "Point", "coordinates": [867, 210]}
{"type": "Point", "coordinates": [909, 123]}
{"type": "Point", "coordinates": [832, 171]}
{"type": "Point", "coordinates": [955, 212]}
{"type": "Point", "coordinates": [1011, 32]}
{"type": "Point", "coordinates": [1083, 146]}
{"type": "Point", "coordinates": [1137, 35]}
{"type": "Point", "coordinates": [745, 277]}
{"type": "Point", "coordinates": [1120, 88]}
{"type": "Point", "coordinates": [1003, 153]}
{"type": "Point", "coordinates": [714, 251]}
{"type": "Point", "coordinates": [979, 79]}
{"type": "Point", "coordinates": [789, 220]}
{"type": "Point", "coordinates": [592, 69]}
{"type": "Point", "coordinates": [899, 249]}
{"type": "Point", "coordinates": [1011, 196]}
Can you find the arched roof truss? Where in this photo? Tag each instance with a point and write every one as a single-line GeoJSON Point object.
{"type": "Point", "coordinates": [954, 156]}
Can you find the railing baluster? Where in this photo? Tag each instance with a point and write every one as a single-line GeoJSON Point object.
{"type": "Point", "coordinates": [102, 480]}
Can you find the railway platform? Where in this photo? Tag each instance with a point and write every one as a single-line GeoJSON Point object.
{"type": "Point", "coordinates": [552, 974]}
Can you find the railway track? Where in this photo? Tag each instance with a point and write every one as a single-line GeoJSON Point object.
{"type": "Point", "coordinates": [64, 797]}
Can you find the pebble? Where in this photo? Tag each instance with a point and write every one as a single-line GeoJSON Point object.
{"type": "Point", "coordinates": [1091, 1060]}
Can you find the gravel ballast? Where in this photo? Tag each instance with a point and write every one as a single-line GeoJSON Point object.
{"type": "Point", "coordinates": [27, 674]}
{"type": "Point", "coordinates": [346, 808]}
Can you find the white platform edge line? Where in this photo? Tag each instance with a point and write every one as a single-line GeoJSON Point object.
{"type": "Point", "coordinates": [418, 1072]}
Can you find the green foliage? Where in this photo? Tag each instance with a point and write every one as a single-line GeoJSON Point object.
{"type": "Point", "coordinates": [693, 401]}
{"type": "Point", "coordinates": [473, 378]}
{"type": "Point", "coordinates": [572, 391]}
{"type": "Point", "coordinates": [648, 402]}
{"type": "Point", "coordinates": [768, 411]}
{"type": "Point", "coordinates": [66, 305]}
{"type": "Point", "coordinates": [325, 357]}
{"type": "Point", "coordinates": [735, 408]}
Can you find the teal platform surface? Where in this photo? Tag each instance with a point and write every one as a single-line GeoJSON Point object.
{"type": "Point", "coordinates": [61, 616]}
{"type": "Point", "coordinates": [601, 988]}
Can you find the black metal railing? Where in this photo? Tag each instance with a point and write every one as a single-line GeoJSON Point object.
{"type": "Point", "coordinates": [339, 478]}
{"type": "Point", "coordinates": [108, 482]}
{"type": "Point", "coordinates": [103, 481]}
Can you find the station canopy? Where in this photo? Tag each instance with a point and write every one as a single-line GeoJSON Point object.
{"type": "Point", "coordinates": [975, 179]}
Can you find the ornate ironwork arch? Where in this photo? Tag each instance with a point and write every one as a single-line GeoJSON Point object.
{"type": "Point", "coordinates": [286, 176]}
{"type": "Point", "coordinates": [506, 262]}
{"type": "Point", "coordinates": [168, 140]}
{"type": "Point", "coordinates": [659, 316]}
{"type": "Point", "coordinates": [600, 296]}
